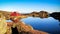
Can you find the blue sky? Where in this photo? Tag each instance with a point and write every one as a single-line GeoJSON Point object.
{"type": "Point", "coordinates": [27, 6]}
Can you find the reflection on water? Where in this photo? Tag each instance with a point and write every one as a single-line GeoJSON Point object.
{"type": "Point", "coordinates": [47, 24]}
{"type": "Point", "coordinates": [50, 24]}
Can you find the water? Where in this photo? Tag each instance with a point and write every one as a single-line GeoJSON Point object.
{"type": "Point", "coordinates": [49, 25]}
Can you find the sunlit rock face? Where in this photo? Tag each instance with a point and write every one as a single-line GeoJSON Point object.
{"type": "Point", "coordinates": [21, 27]}
{"type": "Point", "coordinates": [6, 14]}
{"type": "Point", "coordinates": [3, 24]}
{"type": "Point", "coordinates": [26, 29]}
{"type": "Point", "coordinates": [43, 14]}
{"type": "Point", "coordinates": [33, 32]}
{"type": "Point", "coordinates": [18, 27]}
{"type": "Point", "coordinates": [38, 32]}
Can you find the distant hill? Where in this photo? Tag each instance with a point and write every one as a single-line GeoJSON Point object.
{"type": "Point", "coordinates": [41, 14]}
{"type": "Point", "coordinates": [55, 15]}
{"type": "Point", "coordinates": [5, 13]}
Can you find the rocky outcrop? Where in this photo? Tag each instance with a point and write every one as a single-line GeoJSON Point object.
{"type": "Point", "coordinates": [55, 15]}
{"type": "Point", "coordinates": [41, 14]}
{"type": "Point", "coordinates": [33, 32]}
{"type": "Point", "coordinates": [6, 14]}
{"type": "Point", "coordinates": [25, 29]}
{"type": "Point", "coordinates": [3, 24]}
{"type": "Point", "coordinates": [18, 27]}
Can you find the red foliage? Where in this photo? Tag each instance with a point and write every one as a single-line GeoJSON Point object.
{"type": "Point", "coordinates": [15, 14]}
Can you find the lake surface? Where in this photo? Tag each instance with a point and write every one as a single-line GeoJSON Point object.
{"type": "Point", "coordinates": [49, 25]}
